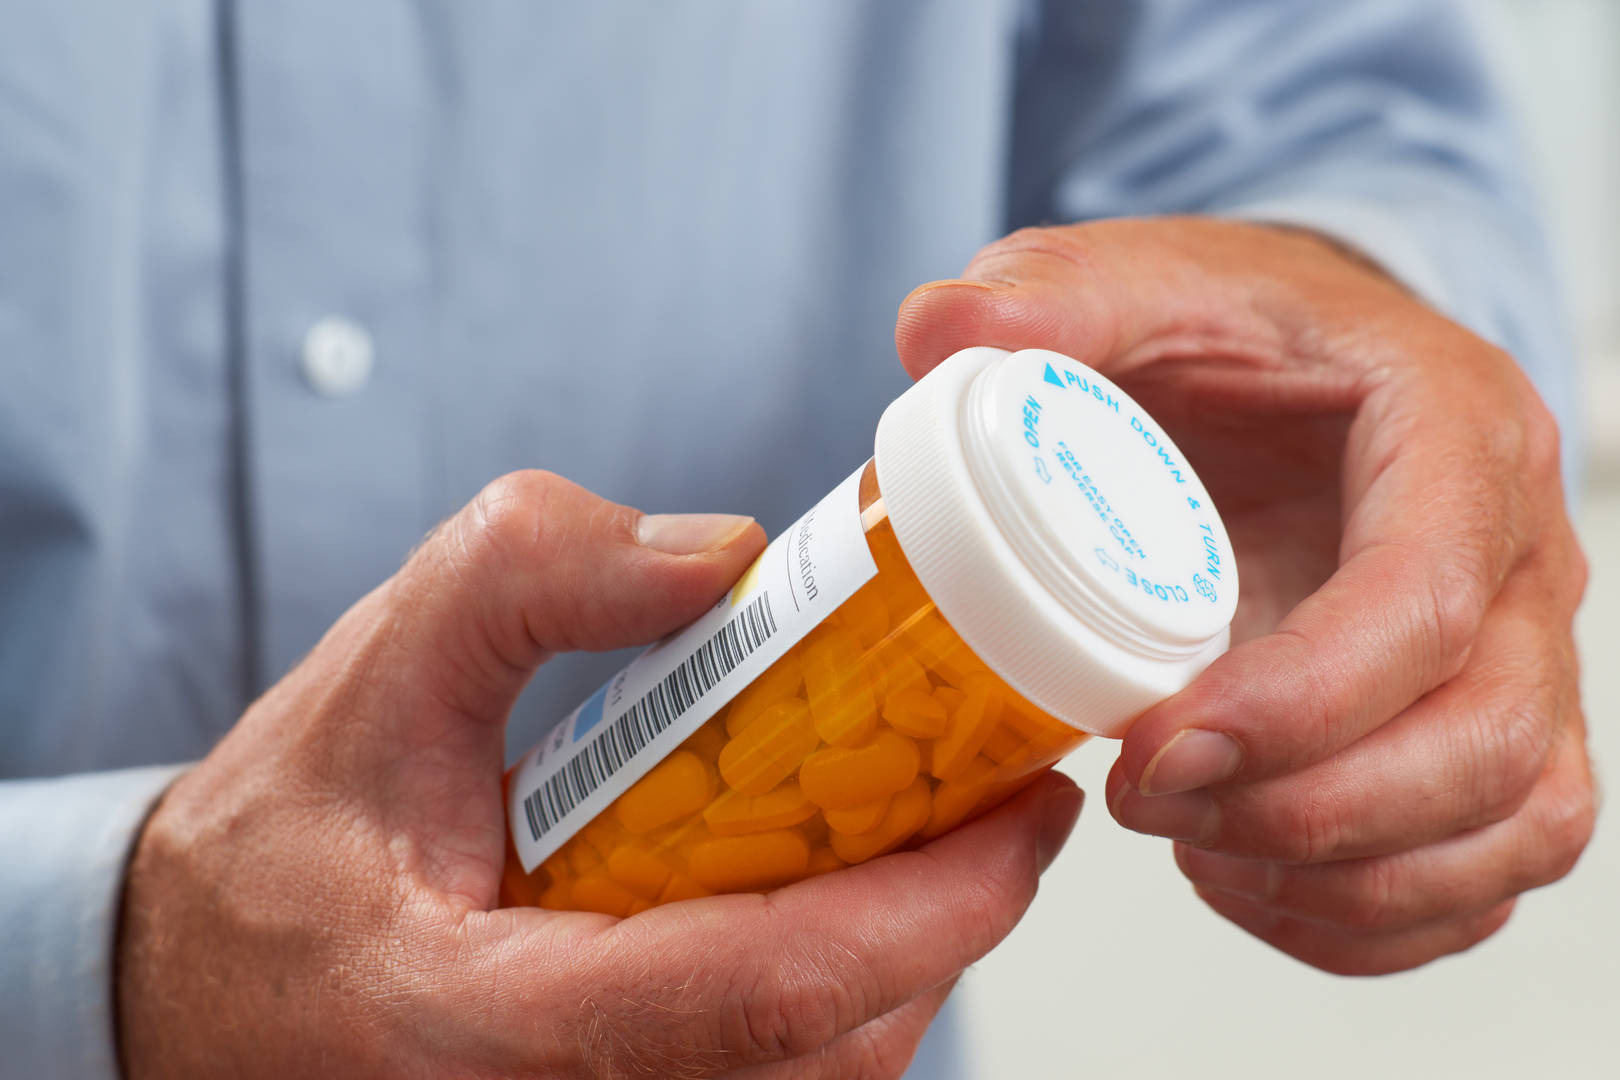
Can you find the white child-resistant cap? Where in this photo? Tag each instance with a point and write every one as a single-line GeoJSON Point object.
{"type": "Point", "coordinates": [1059, 530]}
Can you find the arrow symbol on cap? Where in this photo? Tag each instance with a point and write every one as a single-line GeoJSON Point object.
{"type": "Point", "coordinates": [1052, 377]}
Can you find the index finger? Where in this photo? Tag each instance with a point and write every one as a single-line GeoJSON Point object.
{"type": "Point", "coordinates": [1448, 473]}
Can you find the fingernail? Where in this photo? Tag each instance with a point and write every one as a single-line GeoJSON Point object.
{"type": "Point", "coordinates": [1191, 816]}
{"type": "Point", "coordinates": [1062, 811]}
{"type": "Point", "coordinates": [1257, 879]}
{"type": "Point", "coordinates": [1193, 759]}
{"type": "Point", "coordinates": [950, 283]}
{"type": "Point", "coordinates": [689, 534]}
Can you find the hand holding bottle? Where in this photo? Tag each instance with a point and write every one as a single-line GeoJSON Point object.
{"type": "Point", "coordinates": [318, 896]}
{"type": "Point", "coordinates": [1393, 750]}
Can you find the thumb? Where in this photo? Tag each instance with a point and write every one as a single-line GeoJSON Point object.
{"type": "Point", "coordinates": [537, 565]}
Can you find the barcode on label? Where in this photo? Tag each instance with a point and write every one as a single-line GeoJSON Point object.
{"type": "Point", "coordinates": [660, 707]}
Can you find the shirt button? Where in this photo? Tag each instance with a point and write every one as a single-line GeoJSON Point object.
{"type": "Point", "coordinates": [337, 356]}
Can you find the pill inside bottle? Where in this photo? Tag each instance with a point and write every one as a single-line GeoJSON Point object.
{"type": "Point", "coordinates": [1026, 561]}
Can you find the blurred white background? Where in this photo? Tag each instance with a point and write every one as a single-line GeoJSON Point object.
{"type": "Point", "coordinates": [1119, 970]}
{"type": "Point", "coordinates": [1560, 60]}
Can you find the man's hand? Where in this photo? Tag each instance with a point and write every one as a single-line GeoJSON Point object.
{"type": "Point", "coordinates": [1394, 748]}
{"type": "Point", "coordinates": [317, 897]}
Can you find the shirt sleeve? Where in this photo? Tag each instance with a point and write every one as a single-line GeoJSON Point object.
{"type": "Point", "coordinates": [64, 844]}
{"type": "Point", "coordinates": [1373, 121]}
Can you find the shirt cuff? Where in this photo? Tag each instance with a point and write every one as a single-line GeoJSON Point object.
{"type": "Point", "coordinates": [64, 844]}
{"type": "Point", "coordinates": [1380, 236]}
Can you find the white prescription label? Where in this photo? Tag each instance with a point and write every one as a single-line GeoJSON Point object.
{"type": "Point", "coordinates": [664, 695]}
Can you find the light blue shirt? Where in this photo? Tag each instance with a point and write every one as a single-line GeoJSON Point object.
{"type": "Point", "coordinates": [654, 247]}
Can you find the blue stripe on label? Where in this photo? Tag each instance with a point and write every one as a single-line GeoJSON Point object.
{"type": "Point", "coordinates": [590, 713]}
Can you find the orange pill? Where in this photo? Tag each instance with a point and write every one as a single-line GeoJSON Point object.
{"type": "Point", "coordinates": [930, 637]}
{"type": "Point", "coordinates": [598, 892]}
{"type": "Point", "coordinates": [970, 725]}
{"type": "Point", "coordinates": [902, 593]}
{"type": "Point", "coordinates": [749, 863]}
{"type": "Point", "coordinates": [915, 713]}
{"type": "Point", "coordinates": [857, 819]}
{"type": "Point", "coordinates": [865, 616]}
{"type": "Point", "coordinates": [707, 741]}
{"type": "Point", "coordinates": [823, 860]}
{"type": "Point", "coordinates": [925, 756]}
{"type": "Point", "coordinates": [958, 666]}
{"type": "Point", "coordinates": [582, 857]}
{"type": "Point", "coordinates": [557, 867]}
{"type": "Point", "coordinates": [681, 887]}
{"type": "Point", "coordinates": [814, 830]}
{"type": "Point", "coordinates": [676, 832]}
{"type": "Point", "coordinates": [1035, 726]}
{"type": "Point", "coordinates": [735, 814]}
{"type": "Point", "coordinates": [603, 834]}
{"type": "Point", "coordinates": [955, 800]}
{"type": "Point", "coordinates": [849, 722]}
{"type": "Point", "coordinates": [904, 601]}
{"type": "Point", "coordinates": [776, 683]}
{"type": "Point", "coordinates": [1027, 759]}
{"type": "Point", "coordinates": [636, 868]}
{"type": "Point", "coordinates": [908, 812]}
{"type": "Point", "coordinates": [839, 688]}
{"type": "Point", "coordinates": [886, 553]}
{"type": "Point", "coordinates": [838, 778]}
{"type": "Point", "coordinates": [558, 897]}
{"type": "Point", "coordinates": [768, 750]}
{"type": "Point", "coordinates": [526, 891]}
{"type": "Point", "coordinates": [899, 672]}
{"type": "Point", "coordinates": [950, 697]}
{"type": "Point", "coordinates": [679, 786]}
{"type": "Point", "coordinates": [997, 791]}
{"type": "Point", "coordinates": [1004, 744]}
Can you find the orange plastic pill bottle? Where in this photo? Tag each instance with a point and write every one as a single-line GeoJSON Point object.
{"type": "Point", "coordinates": [1027, 560]}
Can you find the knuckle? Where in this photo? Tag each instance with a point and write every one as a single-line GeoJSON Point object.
{"type": "Point", "coordinates": [1502, 417]}
{"type": "Point", "coordinates": [1512, 749]}
{"type": "Point", "coordinates": [1034, 251]}
{"type": "Point", "coordinates": [1464, 932]}
{"type": "Point", "coordinates": [1564, 564]}
{"type": "Point", "coordinates": [1318, 708]}
{"type": "Point", "coordinates": [1542, 440]}
{"type": "Point", "coordinates": [1458, 598]}
{"type": "Point", "coordinates": [1028, 240]}
{"type": "Point", "coordinates": [508, 517]}
{"type": "Point", "coordinates": [1568, 829]}
{"type": "Point", "coordinates": [1580, 570]}
{"type": "Point", "coordinates": [1374, 903]}
{"type": "Point", "coordinates": [1317, 834]}
{"type": "Point", "coordinates": [792, 1009]}
{"type": "Point", "coordinates": [992, 900]}
{"type": "Point", "coordinates": [1291, 696]}
{"type": "Point", "coordinates": [988, 902]}
{"type": "Point", "coordinates": [764, 1027]}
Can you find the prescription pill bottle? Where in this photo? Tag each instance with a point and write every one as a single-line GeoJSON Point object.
{"type": "Point", "coordinates": [1027, 560]}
